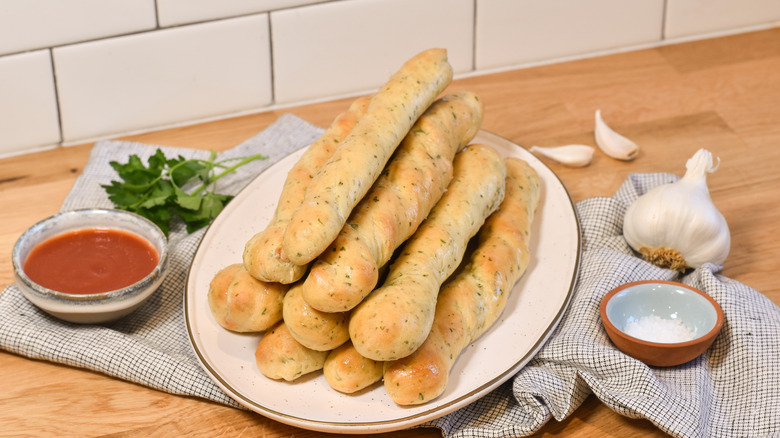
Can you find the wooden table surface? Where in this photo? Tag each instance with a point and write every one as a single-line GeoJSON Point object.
{"type": "Point", "coordinates": [722, 94]}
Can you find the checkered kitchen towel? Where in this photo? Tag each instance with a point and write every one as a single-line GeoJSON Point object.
{"type": "Point", "coordinates": [732, 390]}
{"type": "Point", "coordinates": [151, 347]}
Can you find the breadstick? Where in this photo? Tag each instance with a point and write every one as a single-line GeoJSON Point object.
{"type": "Point", "coordinates": [313, 329]}
{"type": "Point", "coordinates": [217, 294]}
{"type": "Point", "coordinates": [395, 319]}
{"type": "Point", "coordinates": [353, 168]}
{"type": "Point", "coordinates": [262, 253]}
{"type": "Point", "coordinates": [347, 371]}
{"type": "Point", "coordinates": [241, 303]}
{"type": "Point", "coordinates": [397, 203]}
{"type": "Point", "coordinates": [280, 356]}
{"type": "Point", "coordinates": [473, 300]}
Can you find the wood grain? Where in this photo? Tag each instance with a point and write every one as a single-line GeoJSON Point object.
{"type": "Point", "coordinates": [721, 94]}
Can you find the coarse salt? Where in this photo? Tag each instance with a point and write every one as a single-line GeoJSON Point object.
{"type": "Point", "coordinates": [656, 329]}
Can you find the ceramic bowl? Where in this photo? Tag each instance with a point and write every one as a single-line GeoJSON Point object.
{"type": "Point", "coordinates": [96, 307]}
{"type": "Point", "coordinates": [652, 311]}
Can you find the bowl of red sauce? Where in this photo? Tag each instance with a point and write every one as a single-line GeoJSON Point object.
{"type": "Point", "coordinates": [91, 265]}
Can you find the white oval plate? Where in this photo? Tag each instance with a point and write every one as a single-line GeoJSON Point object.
{"type": "Point", "coordinates": [533, 311]}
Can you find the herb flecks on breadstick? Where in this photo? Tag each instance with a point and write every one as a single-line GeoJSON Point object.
{"type": "Point", "coordinates": [279, 356]}
{"type": "Point", "coordinates": [394, 320]}
{"type": "Point", "coordinates": [400, 199]}
{"type": "Point", "coordinates": [321, 331]}
{"type": "Point", "coordinates": [263, 252]}
{"type": "Point", "coordinates": [348, 175]}
{"type": "Point", "coordinates": [347, 371]}
{"type": "Point", "coordinates": [474, 299]}
{"type": "Point", "coordinates": [241, 303]}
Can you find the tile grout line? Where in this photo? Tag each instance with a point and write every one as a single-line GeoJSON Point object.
{"type": "Point", "coordinates": [280, 107]}
{"type": "Point", "coordinates": [157, 14]}
{"type": "Point", "coordinates": [56, 97]}
{"type": "Point", "coordinates": [271, 56]}
{"type": "Point", "coordinates": [474, 36]}
{"type": "Point", "coordinates": [275, 105]}
{"type": "Point", "coordinates": [664, 12]}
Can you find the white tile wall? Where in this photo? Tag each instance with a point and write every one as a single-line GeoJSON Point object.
{"type": "Point", "coordinates": [28, 109]}
{"type": "Point", "coordinates": [692, 17]}
{"type": "Point", "coordinates": [510, 32]}
{"type": "Point", "coordinates": [158, 78]}
{"type": "Point", "coordinates": [348, 46]}
{"type": "Point", "coordinates": [176, 12]}
{"type": "Point", "coordinates": [133, 65]}
{"type": "Point", "coordinates": [35, 24]}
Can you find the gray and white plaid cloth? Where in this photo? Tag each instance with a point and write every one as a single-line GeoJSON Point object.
{"type": "Point", "coordinates": [733, 390]}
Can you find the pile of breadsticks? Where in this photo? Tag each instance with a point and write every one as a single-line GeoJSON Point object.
{"type": "Point", "coordinates": [366, 270]}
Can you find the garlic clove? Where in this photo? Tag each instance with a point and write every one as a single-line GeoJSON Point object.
{"type": "Point", "coordinates": [612, 143]}
{"type": "Point", "coordinates": [677, 226]}
{"type": "Point", "coordinates": [573, 155]}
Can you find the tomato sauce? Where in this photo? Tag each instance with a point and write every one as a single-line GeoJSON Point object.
{"type": "Point", "coordinates": [91, 261]}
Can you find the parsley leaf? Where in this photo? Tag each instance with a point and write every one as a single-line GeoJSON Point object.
{"type": "Point", "coordinates": [161, 190]}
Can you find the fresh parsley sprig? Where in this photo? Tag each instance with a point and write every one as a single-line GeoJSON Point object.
{"type": "Point", "coordinates": [157, 190]}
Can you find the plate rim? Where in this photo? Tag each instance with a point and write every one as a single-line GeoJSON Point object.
{"type": "Point", "coordinates": [400, 422]}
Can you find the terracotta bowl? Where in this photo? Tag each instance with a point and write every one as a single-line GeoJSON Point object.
{"type": "Point", "coordinates": [661, 323]}
{"type": "Point", "coordinates": [96, 307]}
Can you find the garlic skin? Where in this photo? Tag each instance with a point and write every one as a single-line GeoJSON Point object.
{"type": "Point", "coordinates": [572, 155]}
{"type": "Point", "coordinates": [612, 143]}
{"type": "Point", "coordinates": [676, 225]}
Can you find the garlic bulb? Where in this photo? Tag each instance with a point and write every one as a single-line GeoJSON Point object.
{"type": "Point", "coordinates": [573, 155]}
{"type": "Point", "coordinates": [612, 143]}
{"type": "Point", "coordinates": [676, 225]}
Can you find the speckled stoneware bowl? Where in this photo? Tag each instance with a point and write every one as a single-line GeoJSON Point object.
{"type": "Point", "coordinates": [671, 301]}
{"type": "Point", "coordinates": [96, 307]}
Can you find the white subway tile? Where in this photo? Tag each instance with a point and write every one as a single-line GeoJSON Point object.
{"type": "Point", "coordinates": [351, 46]}
{"type": "Point", "coordinates": [28, 103]}
{"type": "Point", "coordinates": [168, 76]}
{"type": "Point", "coordinates": [694, 17]}
{"type": "Point", "coordinates": [36, 24]}
{"type": "Point", "coordinates": [176, 12]}
{"type": "Point", "coordinates": [513, 32]}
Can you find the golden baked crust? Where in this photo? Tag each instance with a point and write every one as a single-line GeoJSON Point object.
{"type": "Point", "coordinates": [356, 164]}
{"type": "Point", "coordinates": [394, 320]}
{"type": "Point", "coordinates": [473, 300]}
{"type": "Point", "coordinates": [400, 199]}
{"type": "Point", "coordinates": [241, 303]}
{"type": "Point", "coordinates": [347, 371]}
{"type": "Point", "coordinates": [317, 330]}
{"type": "Point", "coordinates": [279, 356]}
{"type": "Point", "coordinates": [263, 252]}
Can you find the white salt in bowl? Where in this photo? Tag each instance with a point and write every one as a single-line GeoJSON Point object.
{"type": "Point", "coordinates": [661, 323]}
